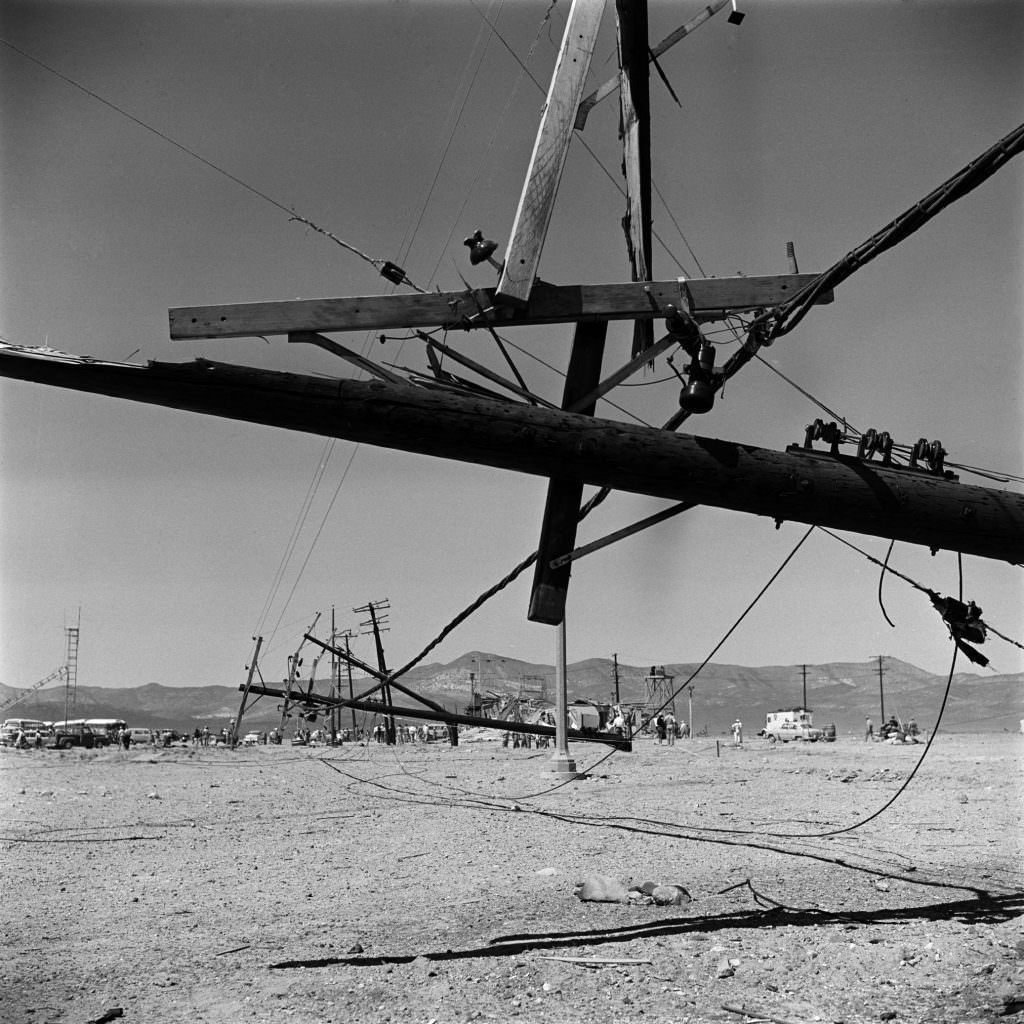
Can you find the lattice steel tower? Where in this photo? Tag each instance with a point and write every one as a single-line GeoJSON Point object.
{"type": "Point", "coordinates": [660, 690]}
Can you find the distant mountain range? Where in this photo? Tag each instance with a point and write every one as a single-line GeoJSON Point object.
{"type": "Point", "coordinates": [839, 692]}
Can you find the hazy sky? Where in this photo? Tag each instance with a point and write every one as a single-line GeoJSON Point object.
{"type": "Point", "coordinates": [401, 127]}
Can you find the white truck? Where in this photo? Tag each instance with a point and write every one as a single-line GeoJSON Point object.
{"type": "Point", "coordinates": [792, 724]}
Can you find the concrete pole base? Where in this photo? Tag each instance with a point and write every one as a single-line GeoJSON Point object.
{"type": "Point", "coordinates": [564, 767]}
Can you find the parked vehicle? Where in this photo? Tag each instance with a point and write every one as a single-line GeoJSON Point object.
{"type": "Point", "coordinates": [791, 724]}
{"type": "Point", "coordinates": [32, 730]}
{"type": "Point", "coordinates": [75, 734]}
{"type": "Point", "coordinates": [106, 729]}
{"type": "Point", "coordinates": [141, 735]}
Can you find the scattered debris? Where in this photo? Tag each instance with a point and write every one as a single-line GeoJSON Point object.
{"type": "Point", "coordinates": [727, 967]}
{"type": "Point", "coordinates": [235, 949]}
{"type": "Point", "coordinates": [757, 1015]}
{"type": "Point", "coordinates": [601, 889]}
{"type": "Point", "coordinates": [597, 961]}
{"type": "Point", "coordinates": [112, 1014]}
{"type": "Point", "coordinates": [605, 889]}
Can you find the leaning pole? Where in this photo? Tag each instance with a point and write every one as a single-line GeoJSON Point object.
{"type": "Point", "coordinates": [837, 491]}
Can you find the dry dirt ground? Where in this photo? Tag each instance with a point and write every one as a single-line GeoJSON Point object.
{"type": "Point", "coordinates": [424, 883]}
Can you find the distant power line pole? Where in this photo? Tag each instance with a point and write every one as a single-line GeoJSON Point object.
{"type": "Point", "coordinates": [803, 669]}
{"type": "Point", "coordinates": [378, 622]}
{"type": "Point", "coordinates": [881, 684]}
{"type": "Point", "coordinates": [615, 670]}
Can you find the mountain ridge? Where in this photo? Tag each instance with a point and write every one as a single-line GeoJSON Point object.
{"type": "Point", "coordinates": [841, 692]}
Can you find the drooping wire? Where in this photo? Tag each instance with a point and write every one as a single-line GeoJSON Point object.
{"type": "Point", "coordinates": [732, 629]}
{"type": "Point", "coordinates": [917, 586]}
{"type": "Point", "coordinates": [300, 519]}
{"type": "Point", "coordinates": [881, 578]}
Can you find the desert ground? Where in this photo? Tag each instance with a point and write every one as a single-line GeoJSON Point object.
{"type": "Point", "coordinates": [424, 883]}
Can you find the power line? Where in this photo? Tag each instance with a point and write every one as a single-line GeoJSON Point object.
{"type": "Point", "coordinates": [386, 267]}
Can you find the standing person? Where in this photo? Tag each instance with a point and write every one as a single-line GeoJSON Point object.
{"type": "Point", "coordinates": [659, 725]}
{"type": "Point", "coordinates": [737, 733]}
{"type": "Point", "coordinates": [670, 728]}
{"type": "Point", "coordinates": [869, 729]}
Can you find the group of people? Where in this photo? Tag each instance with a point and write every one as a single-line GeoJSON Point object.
{"type": "Point", "coordinates": [668, 728]}
{"type": "Point", "coordinates": [890, 728]}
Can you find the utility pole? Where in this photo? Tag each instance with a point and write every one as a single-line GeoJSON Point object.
{"type": "Point", "coordinates": [376, 624]}
{"type": "Point", "coordinates": [881, 685]}
{"type": "Point", "coordinates": [346, 636]}
{"type": "Point", "coordinates": [335, 680]}
{"type": "Point", "coordinates": [689, 708]}
{"type": "Point", "coordinates": [615, 670]}
{"type": "Point", "coordinates": [252, 668]}
{"type": "Point", "coordinates": [803, 669]}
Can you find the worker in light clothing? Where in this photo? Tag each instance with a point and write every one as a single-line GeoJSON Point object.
{"type": "Point", "coordinates": [737, 733]}
{"type": "Point", "coordinates": [869, 729]}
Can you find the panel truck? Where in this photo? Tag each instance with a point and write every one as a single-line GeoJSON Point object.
{"type": "Point", "coordinates": [793, 724]}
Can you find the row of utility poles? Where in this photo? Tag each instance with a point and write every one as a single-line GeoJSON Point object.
{"type": "Point", "coordinates": [880, 658]}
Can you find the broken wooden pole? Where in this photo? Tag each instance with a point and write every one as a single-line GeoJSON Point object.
{"type": "Point", "coordinates": [379, 708]}
{"type": "Point", "coordinates": [838, 491]}
{"type": "Point", "coordinates": [562, 507]}
{"type": "Point", "coordinates": [635, 126]}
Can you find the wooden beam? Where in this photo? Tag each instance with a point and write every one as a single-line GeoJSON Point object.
{"type": "Point", "coordinates": [709, 299]}
{"type": "Point", "coordinates": [605, 90]}
{"type": "Point", "coordinates": [840, 492]}
{"type": "Point", "coordinates": [635, 125]}
{"type": "Point", "coordinates": [562, 507]}
{"type": "Point", "coordinates": [522, 256]}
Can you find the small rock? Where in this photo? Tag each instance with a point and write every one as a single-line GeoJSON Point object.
{"type": "Point", "coordinates": [962, 798]}
{"type": "Point", "coordinates": [887, 1015]}
{"type": "Point", "coordinates": [153, 796]}
{"type": "Point", "coordinates": [547, 871]}
{"type": "Point", "coordinates": [355, 948]}
{"type": "Point", "coordinates": [670, 895]}
{"type": "Point", "coordinates": [725, 968]}
{"type": "Point", "coordinates": [601, 889]}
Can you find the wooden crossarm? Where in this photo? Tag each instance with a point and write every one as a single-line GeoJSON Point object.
{"type": "Point", "coordinates": [709, 299]}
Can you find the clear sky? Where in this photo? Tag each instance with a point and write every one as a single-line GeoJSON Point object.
{"type": "Point", "coordinates": [401, 127]}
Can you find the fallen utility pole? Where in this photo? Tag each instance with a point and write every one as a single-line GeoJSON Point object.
{"type": "Point", "coordinates": [504, 725]}
{"type": "Point", "coordinates": [837, 491]}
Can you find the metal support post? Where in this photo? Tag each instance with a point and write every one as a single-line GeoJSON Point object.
{"type": "Point", "coordinates": [561, 763]}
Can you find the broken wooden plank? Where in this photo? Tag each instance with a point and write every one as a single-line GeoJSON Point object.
{"type": "Point", "coordinates": [329, 345]}
{"type": "Point", "coordinates": [562, 507]}
{"type": "Point", "coordinates": [624, 372]}
{"type": "Point", "coordinates": [711, 299]}
{"type": "Point", "coordinates": [635, 127]}
{"type": "Point", "coordinates": [606, 89]}
{"type": "Point", "coordinates": [550, 149]}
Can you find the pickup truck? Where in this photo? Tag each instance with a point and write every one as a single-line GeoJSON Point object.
{"type": "Point", "coordinates": [67, 736]}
